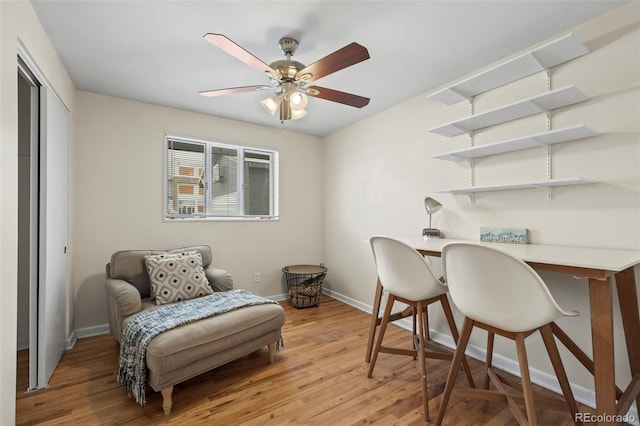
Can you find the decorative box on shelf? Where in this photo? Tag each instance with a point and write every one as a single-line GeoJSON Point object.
{"type": "Point", "coordinates": [504, 235]}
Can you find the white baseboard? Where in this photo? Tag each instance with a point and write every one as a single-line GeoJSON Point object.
{"type": "Point", "coordinates": [70, 342]}
{"type": "Point", "coordinates": [81, 333]}
{"type": "Point", "coordinates": [349, 301]}
{"type": "Point", "coordinates": [76, 334]}
{"type": "Point", "coordinates": [548, 381]}
{"type": "Point", "coordinates": [278, 297]}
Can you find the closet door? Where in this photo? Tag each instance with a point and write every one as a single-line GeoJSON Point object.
{"type": "Point", "coordinates": [53, 280]}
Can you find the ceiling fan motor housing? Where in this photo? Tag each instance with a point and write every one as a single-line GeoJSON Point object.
{"type": "Point", "coordinates": [287, 68]}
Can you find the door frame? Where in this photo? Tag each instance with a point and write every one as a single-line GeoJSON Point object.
{"type": "Point", "coordinates": [37, 377]}
{"type": "Point", "coordinates": [34, 213]}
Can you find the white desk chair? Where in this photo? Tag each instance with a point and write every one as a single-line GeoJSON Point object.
{"type": "Point", "coordinates": [406, 276]}
{"type": "Point", "coordinates": [502, 295]}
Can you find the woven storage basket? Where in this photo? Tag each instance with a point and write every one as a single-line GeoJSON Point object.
{"type": "Point", "coordinates": [304, 284]}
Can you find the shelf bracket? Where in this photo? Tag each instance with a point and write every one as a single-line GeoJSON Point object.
{"type": "Point", "coordinates": [548, 114]}
{"type": "Point", "coordinates": [462, 129]}
{"type": "Point", "coordinates": [549, 172]}
{"type": "Point", "coordinates": [547, 71]}
{"type": "Point", "coordinates": [547, 187]}
{"type": "Point", "coordinates": [472, 163]}
{"type": "Point", "coordinates": [459, 92]}
{"type": "Point", "coordinates": [471, 196]}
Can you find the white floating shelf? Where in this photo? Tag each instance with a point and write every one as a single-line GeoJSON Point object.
{"type": "Point", "coordinates": [547, 101]}
{"type": "Point", "coordinates": [560, 50]}
{"type": "Point", "coordinates": [565, 134]}
{"type": "Point", "coordinates": [523, 185]}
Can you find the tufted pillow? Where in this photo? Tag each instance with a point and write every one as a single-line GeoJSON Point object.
{"type": "Point", "coordinates": [177, 276]}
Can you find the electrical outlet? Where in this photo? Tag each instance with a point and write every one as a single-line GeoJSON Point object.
{"type": "Point", "coordinates": [256, 277]}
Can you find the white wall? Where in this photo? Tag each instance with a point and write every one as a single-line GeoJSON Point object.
{"type": "Point", "coordinates": [378, 172]}
{"type": "Point", "coordinates": [118, 187]}
{"type": "Point", "coordinates": [17, 22]}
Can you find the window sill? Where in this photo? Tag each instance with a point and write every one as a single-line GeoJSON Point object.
{"type": "Point", "coordinates": [220, 219]}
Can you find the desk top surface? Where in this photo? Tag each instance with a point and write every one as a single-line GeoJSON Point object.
{"type": "Point", "coordinates": [581, 257]}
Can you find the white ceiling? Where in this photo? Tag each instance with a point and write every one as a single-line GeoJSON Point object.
{"type": "Point", "coordinates": [153, 51]}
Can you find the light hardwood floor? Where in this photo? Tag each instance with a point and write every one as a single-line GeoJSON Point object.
{"type": "Point", "coordinates": [319, 378]}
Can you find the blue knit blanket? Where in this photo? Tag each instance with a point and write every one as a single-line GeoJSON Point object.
{"type": "Point", "coordinates": [144, 326]}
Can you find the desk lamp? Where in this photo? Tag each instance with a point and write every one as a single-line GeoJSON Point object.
{"type": "Point", "coordinates": [431, 206]}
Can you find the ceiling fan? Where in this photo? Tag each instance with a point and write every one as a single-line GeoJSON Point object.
{"type": "Point", "coordinates": [291, 77]}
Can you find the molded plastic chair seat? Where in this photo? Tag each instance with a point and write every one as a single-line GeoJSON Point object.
{"type": "Point", "coordinates": [502, 295]}
{"type": "Point", "coordinates": [406, 276]}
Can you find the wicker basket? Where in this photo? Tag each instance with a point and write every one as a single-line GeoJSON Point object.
{"type": "Point", "coordinates": [304, 284]}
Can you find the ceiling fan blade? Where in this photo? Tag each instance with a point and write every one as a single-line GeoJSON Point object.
{"type": "Point", "coordinates": [337, 96]}
{"type": "Point", "coordinates": [238, 52]}
{"type": "Point", "coordinates": [232, 90]}
{"type": "Point", "coordinates": [349, 55]}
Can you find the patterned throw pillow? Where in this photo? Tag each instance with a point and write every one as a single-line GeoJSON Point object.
{"type": "Point", "coordinates": [161, 256]}
{"type": "Point", "coordinates": [176, 277]}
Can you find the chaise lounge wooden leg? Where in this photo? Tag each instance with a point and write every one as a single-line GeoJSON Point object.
{"type": "Point", "coordinates": [166, 399]}
{"type": "Point", "coordinates": [272, 352]}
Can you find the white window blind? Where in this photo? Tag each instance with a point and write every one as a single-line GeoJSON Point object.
{"type": "Point", "coordinates": [184, 190]}
{"type": "Point", "coordinates": [257, 181]}
{"type": "Point", "coordinates": [205, 180]}
{"type": "Point", "coordinates": [224, 189]}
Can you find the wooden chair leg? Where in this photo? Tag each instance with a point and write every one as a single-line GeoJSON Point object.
{"type": "Point", "coordinates": [446, 307]}
{"type": "Point", "coordinates": [426, 323]}
{"type": "Point", "coordinates": [423, 363]}
{"type": "Point", "coordinates": [374, 319]}
{"type": "Point", "coordinates": [527, 390]}
{"type": "Point", "coordinates": [414, 329]}
{"type": "Point", "coordinates": [272, 352]}
{"type": "Point", "coordinates": [467, 326]}
{"type": "Point", "coordinates": [167, 403]}
{"type": "Point", "coordinates": [556, 361]}
{"type": "Point", "coordinates": [383, 328]}
{"type": "Point", "coordinates": [489, 359]}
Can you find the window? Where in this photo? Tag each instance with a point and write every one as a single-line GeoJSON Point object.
{"type": "Point", "coordinates": [213, 180]}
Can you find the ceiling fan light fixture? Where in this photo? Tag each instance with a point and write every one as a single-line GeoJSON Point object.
{"type": "Point", "coordinates": [271, 104]}
{"type": "Point", "coordinates": [299, 101]}
{"type": "Point", "coordinates": [296, 98]}
{"type": "Point", "coordinates": [298, 114]}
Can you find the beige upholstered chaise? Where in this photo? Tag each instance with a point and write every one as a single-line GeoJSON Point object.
{"type": "Point", "coordinates": [192, 349]}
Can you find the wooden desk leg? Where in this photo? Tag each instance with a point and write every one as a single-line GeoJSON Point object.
{"type": "Point", "coordinates": [628, 299]}
{"type": "Point", "coordinates": [374, 319]}
{"type": "Point", "coordinates": [602, 340]}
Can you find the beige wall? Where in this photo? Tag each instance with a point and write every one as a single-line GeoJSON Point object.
{"type": "Point", "coordinates": [18, 22]}
{"type": "Point", "coordinates": [368, 179]}
{"type": "Point", "coordinates": [118, 187]}
{"type": "Point", "coordinates": [378, 172]}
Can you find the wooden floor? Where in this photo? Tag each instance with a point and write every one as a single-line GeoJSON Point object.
{"type": "Point", "coordinates": [319, 378]}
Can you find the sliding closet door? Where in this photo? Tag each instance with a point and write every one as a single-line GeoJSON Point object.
{"type": "Point", "coordinates": [53, 281]}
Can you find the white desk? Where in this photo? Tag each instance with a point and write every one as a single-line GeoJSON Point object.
{"type": "Point", "coordinates": [602, 268]}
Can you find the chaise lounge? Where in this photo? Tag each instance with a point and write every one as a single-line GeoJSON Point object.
{"type": "Point", "coordinates": [188, 350]}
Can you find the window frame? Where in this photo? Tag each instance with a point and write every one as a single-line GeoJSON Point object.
{"type": "Point", "coordinates": [241, 150]}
